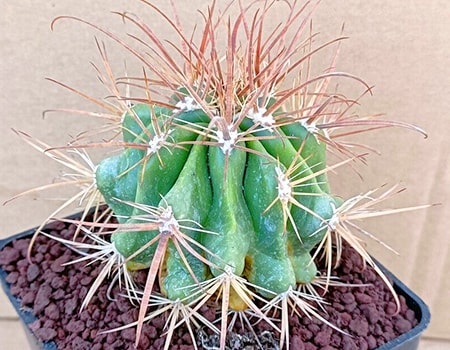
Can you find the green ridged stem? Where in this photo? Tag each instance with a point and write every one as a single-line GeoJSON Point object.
{"type": "Point", "coordinates": [228, 193]}
{"type": "Point", "coordinates": [313, 151]}
{"type": "Point", "coordinates": [116, 179]}
{"type": "Point", "coordinates": [268, 265]}
{"type": "Point", "coordinates": [229, 217]}
{"type": "Point", "coordinates": [190, 199]}
{"type": "Point", "coordinates": [157, 176]}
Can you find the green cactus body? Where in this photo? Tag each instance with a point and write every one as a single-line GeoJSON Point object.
{"type": "Point", "coordinates": [193, 117]}
{"type": "Point", "coordinates": [268, 265]}
{"type": "Point", "coordinates": [156, 178]}
{"type": "Point", "coordinates": [316, 205]}
{"type": "Point", "coordinates": [161, 170]}
{"type": "Point", "coordinates": [313, 151]}
{"type": "Point", "coordinates": [229, 193]}
{"type": "Point", "coordinates": [252, 243]}
{"type": "Point", "coordinates": [311, 226]}
{"type": "Point", "coordinates": [304, 266]}
{"type": "Point", "coordinates": [144, 181]}
{"type": "Point", "coordinates": [310, 219]}
{"type": "Point", "coordinates": [116, 179]}
{"type": "Point", "coordinates": [279, 147]}
{"type": "Point", "coordinates": [229, 217]}
{"type": "Point", "coordinates": [190, 199]}
{"type": "Point", "coordinates": [129, 242]}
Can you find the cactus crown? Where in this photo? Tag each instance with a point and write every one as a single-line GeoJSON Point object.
{"type": "Point", "coordinates": [220, 184]}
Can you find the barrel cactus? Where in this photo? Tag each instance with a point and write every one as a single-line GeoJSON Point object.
{"type": "Point", "coordinates": [220, 188]}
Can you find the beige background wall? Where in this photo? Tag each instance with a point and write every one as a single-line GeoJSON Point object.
{"type": "Point", "coordinates": [400, 47]}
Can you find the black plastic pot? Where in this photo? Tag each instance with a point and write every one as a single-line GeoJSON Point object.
{"type": "Point", "coordinates": [407, 341]}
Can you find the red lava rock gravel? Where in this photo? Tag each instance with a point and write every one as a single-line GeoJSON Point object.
{"type": "Point", "coordinates": [54, 293]}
